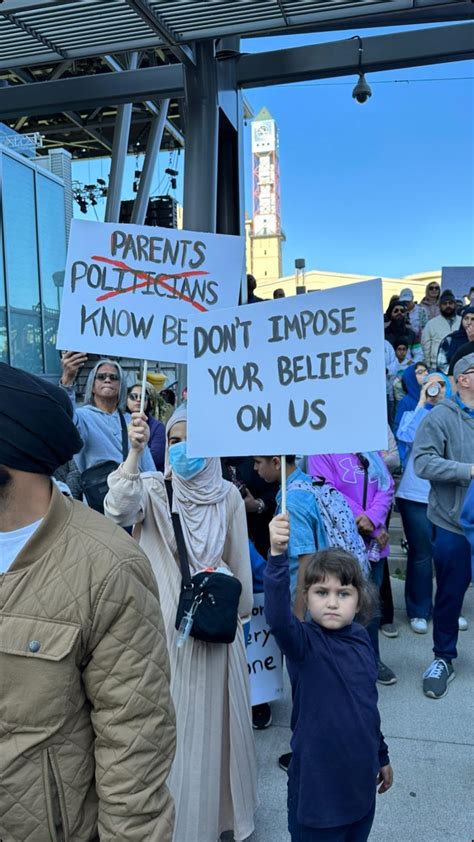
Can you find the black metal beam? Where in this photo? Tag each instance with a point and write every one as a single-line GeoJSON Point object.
{"type": "Point", "coordinates": [90, 91]}
{"type": "Point", "coordinates": [341, 58]}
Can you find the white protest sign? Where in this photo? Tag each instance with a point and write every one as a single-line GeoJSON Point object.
{"type": "Point", "coordinates": [129, 289]}
{"type": "Point", "coordinates": [304, 374]}
{"type": "Point", "coordinates": [264, 660]}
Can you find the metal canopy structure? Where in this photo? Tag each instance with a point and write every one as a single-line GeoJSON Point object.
{"type": "Point", "coordinates": [116, 76]}
{"type": "Point", "coordinates": [82, 46]}
{"type": "Point", "coordinates": [39, 31]}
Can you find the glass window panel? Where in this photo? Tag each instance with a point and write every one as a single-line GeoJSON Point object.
{"type": "Point", "coordinates": [21, 264]}
{"type": "Point", "coordinates": [26, 340]}
{"type": "Point", "coordinates": [19, 230]}
{"type": "Point", "coordinates": [52, 259]}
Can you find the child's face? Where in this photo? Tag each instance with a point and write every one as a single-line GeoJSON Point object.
{"type": "Point", "coordinates": [401, 352]}
{"type": "Point", "coordinates": [331, 604]}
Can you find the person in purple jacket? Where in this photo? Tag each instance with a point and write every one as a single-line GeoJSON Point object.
{"type": "Point", "coordinates": [157, 442]}
{"type": "Point", "coordinates": [368, 487]}
{"type": "Point", "coordinates": [339, 753]}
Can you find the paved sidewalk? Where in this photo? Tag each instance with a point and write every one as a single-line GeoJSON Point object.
{"type": "Point", "coordinates": [431, 745]}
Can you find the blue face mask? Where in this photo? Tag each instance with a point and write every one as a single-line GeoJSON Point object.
{"type": "Point", "coordinates": [185, 467]}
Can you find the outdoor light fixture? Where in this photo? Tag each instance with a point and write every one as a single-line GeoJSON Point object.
{"type": "Point", "coordinates": [362, 90]}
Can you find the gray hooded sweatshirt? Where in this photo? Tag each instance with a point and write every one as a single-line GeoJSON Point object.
{"type": "Point", "coordinates": [443, 453]}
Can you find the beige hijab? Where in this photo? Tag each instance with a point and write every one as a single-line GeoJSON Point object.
{"type": "Point", "coordinates": [201, 503]}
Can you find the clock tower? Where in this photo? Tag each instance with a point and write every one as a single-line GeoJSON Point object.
{"type": "Point", "coordinates": [265, 259]}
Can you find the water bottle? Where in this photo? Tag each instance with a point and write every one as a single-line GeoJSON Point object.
{"type": "Point", "coordinates": [374, 551]}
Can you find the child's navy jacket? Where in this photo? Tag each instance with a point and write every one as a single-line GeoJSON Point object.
{"type": "Point", "coordinates": [337, 744]}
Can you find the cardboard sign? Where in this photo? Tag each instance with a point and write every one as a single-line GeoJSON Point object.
{"type": "Point", "coordinates": [459, 279]}
{"type": "Point", "coordinates": [296, 375]}
{"type": "Point", "coordinates": [264, 659]}
{"type": "Point", "coordinates": [130, 289]}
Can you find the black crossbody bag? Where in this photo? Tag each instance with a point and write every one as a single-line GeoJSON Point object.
{"type": "Point", "coordinates": [94, 480]}
{"type": "Point", "coordinates": [210, 598]}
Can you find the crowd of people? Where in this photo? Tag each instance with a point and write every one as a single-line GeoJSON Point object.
{"type": "Point", "coordinates": [119, 719]}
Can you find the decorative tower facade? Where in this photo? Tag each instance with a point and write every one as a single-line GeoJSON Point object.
{"type": "Point", "coordinates": [264, 249]}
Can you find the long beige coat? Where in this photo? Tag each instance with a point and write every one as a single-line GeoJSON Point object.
{"type": "Point", "coordinates": [87, 731]}
{"type": "Point", "coordinates": [213, 780]}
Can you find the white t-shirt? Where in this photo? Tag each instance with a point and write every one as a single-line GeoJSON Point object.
{"type": "Point", "coordinates": [11, 543]}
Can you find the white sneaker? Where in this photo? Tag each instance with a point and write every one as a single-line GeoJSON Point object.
{"type": "Point", "coordinates": [463, 625]}
{"type": "Point", "coordinates": [418, 625]}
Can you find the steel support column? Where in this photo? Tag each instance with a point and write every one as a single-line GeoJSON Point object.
{"type": "Point", "coordinates": [119, 155]}
{"type": "Point", "coordinates": [202, 124]}
{"type": "Point", "coordinates": [152, 150]}
{"type": "Point", "coordinates": [200, 155]}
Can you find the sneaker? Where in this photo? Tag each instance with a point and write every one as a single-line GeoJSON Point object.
{"type": "Point", "coordinates": [436, 679]}
{"type": "Point", "coordinates": [284, 761]}
{"type": "Point", "coordinates": [463, 625]}
{"type": "Point", "coordinates": [385, 675]}
{"type": "Point", "coordinates": [389, 630]}
{"type": "Point", "coordinates": [419, 625]}
{"type": "Point", "coordinates": [261, 717]}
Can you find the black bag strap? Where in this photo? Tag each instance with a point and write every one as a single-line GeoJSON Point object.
{"type": "Point", "coordinates": [365, 464]}
{"type": "Point", "coordinates": [178, 532]}
{"type": "Point", "coordinates": [124, 436]}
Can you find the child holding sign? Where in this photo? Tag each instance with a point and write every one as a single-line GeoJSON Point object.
{"type": "Point", "coordinates": [339, 753]}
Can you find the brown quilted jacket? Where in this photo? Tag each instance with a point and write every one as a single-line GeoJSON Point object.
{"type": "Point", "coordinates": [87, 731]}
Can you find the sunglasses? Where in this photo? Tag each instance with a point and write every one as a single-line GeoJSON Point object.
{"type": "Point", "coordinates": [134, 396]}
{"type": "Point", "coordinates": [101, 376]}
{"type": "Point", "coordinates": [434, 288]}
{"type": "Point", "coordinates": [398, 310]}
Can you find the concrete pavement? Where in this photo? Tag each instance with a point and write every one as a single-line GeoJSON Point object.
{"type": "Point", "coordinates": [431, 744]}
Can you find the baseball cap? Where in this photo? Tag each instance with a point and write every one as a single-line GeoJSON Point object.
{"type": "Point", "coordinates": [406, 295]}
{"type": "Point", "coordinates": [463, 365]}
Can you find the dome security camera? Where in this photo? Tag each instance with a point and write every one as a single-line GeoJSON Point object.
{"type": "Point", "coordinates": [362, 90]}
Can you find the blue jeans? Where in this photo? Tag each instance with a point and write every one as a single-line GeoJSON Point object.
{"type": "Point", "coordinates": [376, 577]}
{"type": "Point", "coordinates": [452, 561]}
{"type": "Point", "coordinates": [419, 581]}
{"type": "Point", "coordinates": [356, 832]}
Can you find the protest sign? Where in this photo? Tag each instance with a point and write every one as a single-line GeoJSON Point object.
{"type": "Point", "coordinates": [129, 289]}
{"type": "Point", "coordinates": [264, 658]}
{"type": "Point", "coordinates": [304, 374]}
{"type": "Point", "coordinates": [459, 279]}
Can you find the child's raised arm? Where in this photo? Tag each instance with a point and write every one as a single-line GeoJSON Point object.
{"type": "Point", "coordinates": [287, 630]}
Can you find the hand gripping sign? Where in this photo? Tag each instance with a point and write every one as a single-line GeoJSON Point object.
{"type": "Point", "coordinates": [130, 289]}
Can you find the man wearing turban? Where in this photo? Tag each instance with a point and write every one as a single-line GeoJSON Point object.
{"type": "Point", "coordinates": [86, 720]}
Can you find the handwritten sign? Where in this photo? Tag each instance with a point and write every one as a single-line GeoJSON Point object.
{"type": "Point", "coordinates": [264, 660]}
{"type": "Point", "coordinates": [296, 375]}
{"type": "Point", "coordinates": [130, 289]}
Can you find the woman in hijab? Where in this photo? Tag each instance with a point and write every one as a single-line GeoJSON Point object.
{"type": "Point", "coordinates": [366, 484]}
{"type": "Point", "coordinates": [452, 343]}
{"type": "Point", "coordinates": [213, 780]}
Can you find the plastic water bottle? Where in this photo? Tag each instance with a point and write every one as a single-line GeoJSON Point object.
{"type": "Point", "coordinates": [374, 551]}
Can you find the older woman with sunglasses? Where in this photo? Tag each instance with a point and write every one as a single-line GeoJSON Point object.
{"type": "Point", "coordinates": [157, 440]}
{"type": "Point", "coordinates": [430, 302]}
{"type": "Point", "coordinates": [100, 420]}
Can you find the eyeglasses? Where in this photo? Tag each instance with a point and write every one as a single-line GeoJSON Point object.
{"type": "Point", "coordinates": [434, 287]}
{"type": "Point", "coordinates": [398, 311]}
{"type": "Point", "coordinates": [134, 396]}
{"type": "Point", "coordinates": [106, 376]}
{"type": "Point", "coordinates": [469, 371]}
